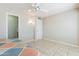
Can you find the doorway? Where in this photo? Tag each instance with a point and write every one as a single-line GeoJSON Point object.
{"type": "Point", "coordinates": [12, 27]}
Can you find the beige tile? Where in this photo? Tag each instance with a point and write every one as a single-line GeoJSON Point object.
{"type": "Point", "coordinates": [46, 47]}
{"type": "Point", "coordinates": [61, 50]}
{"type": "Point", "coordinates": [73, 51]}
{"type": "Point", "coordinates": [47, 52]}
{"type": "Point", "coordinates": [20, 45]}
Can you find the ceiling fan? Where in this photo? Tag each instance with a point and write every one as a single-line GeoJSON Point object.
{"type": "Point", "coordinates": [36, 8]}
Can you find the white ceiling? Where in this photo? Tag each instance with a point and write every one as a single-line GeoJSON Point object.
{"type": "Point", "coordinates": [19, 7]}
{"type": "Point", "coordinates": [48, 8]}
{"type": "Point", "coordinates": [54, 8]}
{"type": "Point", "coordinates": [15, 5]}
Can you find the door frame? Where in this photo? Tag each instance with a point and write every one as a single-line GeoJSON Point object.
{"type": "Point", "coordinates": [14, 14]}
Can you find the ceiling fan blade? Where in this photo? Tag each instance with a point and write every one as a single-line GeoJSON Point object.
{"type": "Point", "coordinates": [43, 10]}
{"type": "Point", "coordinates": [35, 5]}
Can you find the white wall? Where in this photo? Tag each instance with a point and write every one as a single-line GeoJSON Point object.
{"type": "Point", "coordinates": [62, 27]}
{"type": "Point", "coordinates": [25, 30]}
{"type": "Point", "coordinates": [2, 24]}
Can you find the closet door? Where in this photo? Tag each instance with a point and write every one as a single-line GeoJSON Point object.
{"type": "Point", "coordinates": [39, 29]}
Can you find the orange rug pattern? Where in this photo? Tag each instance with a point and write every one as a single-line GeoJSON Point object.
{"type": "Point", "coordinates": [29, 52]}
{"type": "Point", "coordinates": [8, 45]}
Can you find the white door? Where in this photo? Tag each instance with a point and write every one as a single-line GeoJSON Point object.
{"type": "Point", "coordinates": [39, 29]}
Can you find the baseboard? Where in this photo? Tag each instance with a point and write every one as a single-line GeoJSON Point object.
{"type": "Point", "coordinates": [61, 42]}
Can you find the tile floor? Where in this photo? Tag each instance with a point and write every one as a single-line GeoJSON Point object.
{"type": "Point", "coordinates": [36, 48]}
